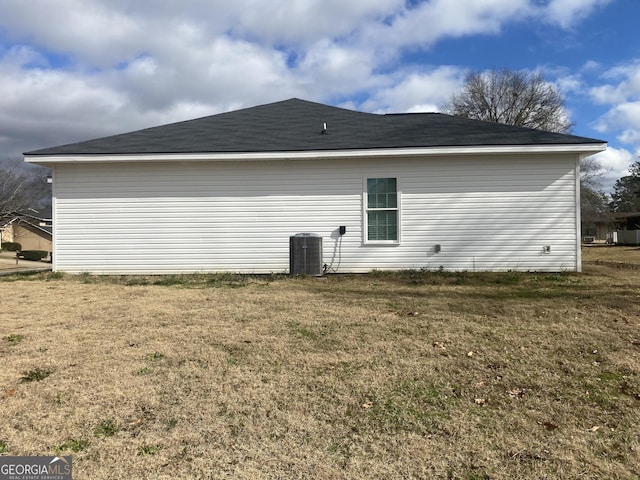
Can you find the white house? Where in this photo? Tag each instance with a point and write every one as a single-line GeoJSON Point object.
{"type": "Point", "coordinates": [226, 193]}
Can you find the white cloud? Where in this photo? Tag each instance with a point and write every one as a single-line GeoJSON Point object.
{"type": "Point", "coordinates": [590, 66]}
{"type": "Point", "coordinates": [625, 118]}
{"type": "Point", "coordinates": [300, 24]}
{"type": "Point", "coordinates": [90, 29]}
{"type": "Point", "coordinates": [104, 33]}
{"type": "Point", "coordinates": [622, 93]}
{"type": "Point", "coordinates": [570, 84]}
{"type": "Point", "coordinates": [624, 84]}
{"type": "Point", "coordinates": [219, 74]}
{"type": "Point", "coordinates": [567, 12]}
{"type": "Point", "coordinates": [417, 91]}
{"type": "Point", "coordinates": [86, 68]}
{"type": "Point", "coordinates": [334, 69]}
{"type": "Point", "coordinates": [630, 135]}
{"type": "Point", "coordinates": [615, 163]}
{"type": "Point", "coordinates": [430, 21]}
{"type": "Point", "coordinates": [606, 94]}
{"type": "Point", "coordinates": [40, 106]}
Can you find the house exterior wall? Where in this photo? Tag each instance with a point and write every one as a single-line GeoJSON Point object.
{"type": "Point", "coordinates": [486, 213]}
{"type": "Point", "coordinates": [6, 234]}
{"type": "Point", "coordinates": [30, 240]}
{"type": "Point", "coordinates": [27, 239]}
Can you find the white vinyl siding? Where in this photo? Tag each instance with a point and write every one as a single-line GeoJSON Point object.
{"type": "Point", "coordinates": [486, 212]}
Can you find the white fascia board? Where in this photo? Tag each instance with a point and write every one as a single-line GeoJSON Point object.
{"type": "Point", "coordinates": [583, 149]}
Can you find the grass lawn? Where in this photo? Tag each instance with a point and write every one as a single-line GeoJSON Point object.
{"type": "Point", "coordinates": [386, 375]}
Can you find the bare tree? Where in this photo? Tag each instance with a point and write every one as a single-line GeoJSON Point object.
{"type": "Point", "coordinates": [592, 173]}
{"type": "Point", "coordinates": [12, 194]}
{"type": "Point", "coordinates": [594, 203]}
{"type": "Point", "coordinates": [22, 187]}
{"type": "Point", "coordinates": [513, 98]}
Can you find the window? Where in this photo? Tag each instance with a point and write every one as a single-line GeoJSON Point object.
{"type": "Point", "coordinates": [382, 210]}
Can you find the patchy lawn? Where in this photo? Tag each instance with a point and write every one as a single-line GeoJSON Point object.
{"type": "Point", "coordinates": [606, 254]}
{"type": "Point", "coordinates": [405, 375]}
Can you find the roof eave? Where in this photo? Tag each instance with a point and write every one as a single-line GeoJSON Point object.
{"type": "Point", "coordinates": [582, 149]}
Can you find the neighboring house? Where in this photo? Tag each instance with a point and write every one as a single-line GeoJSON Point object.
{"type": "Point", "coordinates": [32, 230]}
{"type": "Point", "coordinates": [226, 192]}
{"type": "Point", "coordinates": [602, 229]}
{"type": "Point", "coordinates": [597, 229]}
{"type": "Point", "coordinates": [626, 220]}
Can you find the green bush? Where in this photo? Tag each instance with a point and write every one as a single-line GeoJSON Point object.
{"type": "Point", "coordinates": [33, 255]}
{"type": "Point", "coordinates": [11, 246]}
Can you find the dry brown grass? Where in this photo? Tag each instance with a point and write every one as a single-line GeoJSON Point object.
{"type": "Point", "coordinates": [406, 375]}
{"type": "Point", "coordinates": [607, 254]}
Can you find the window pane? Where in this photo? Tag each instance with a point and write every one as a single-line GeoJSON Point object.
{"type": "Point", "coordinates": [382, 193]}
{"type": "Point", "coordinates": [382, 204]}
{"type": "Point", "coordinates": [373, 189]}
{"type": "Point", "coordinates": [382, 225]}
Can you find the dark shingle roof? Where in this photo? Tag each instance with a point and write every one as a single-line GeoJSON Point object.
{"type": "Point", "coordinates": [296, 125]}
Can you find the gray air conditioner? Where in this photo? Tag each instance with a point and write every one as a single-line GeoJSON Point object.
{"type": "Point", "coordinates": [305, 254]}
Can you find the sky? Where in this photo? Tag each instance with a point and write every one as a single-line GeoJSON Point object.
{"type": "Point", "coordinates": [72, 70]}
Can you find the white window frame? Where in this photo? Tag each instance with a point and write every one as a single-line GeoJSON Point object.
{"type": "Point", "coordinates": [366, 209]}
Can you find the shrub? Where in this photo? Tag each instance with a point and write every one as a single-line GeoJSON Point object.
{"type": "Point", "coordinates": [11, 246]}
{"type": "Point", "coordinates": [33, 255]}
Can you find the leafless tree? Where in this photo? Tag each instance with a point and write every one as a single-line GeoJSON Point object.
{"type": "Point", "coordinates": [22, 187]}
{"type": "Point", "coordinates": [513, 98]}
{"type": "Point", "coordinates": [591, 173]}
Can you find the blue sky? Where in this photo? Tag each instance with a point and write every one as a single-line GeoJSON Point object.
{"type": "Point", "coordinates": [72, 70]}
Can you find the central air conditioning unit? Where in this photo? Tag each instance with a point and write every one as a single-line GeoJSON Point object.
{"type": "Point", "coordinates": [305, 254]}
